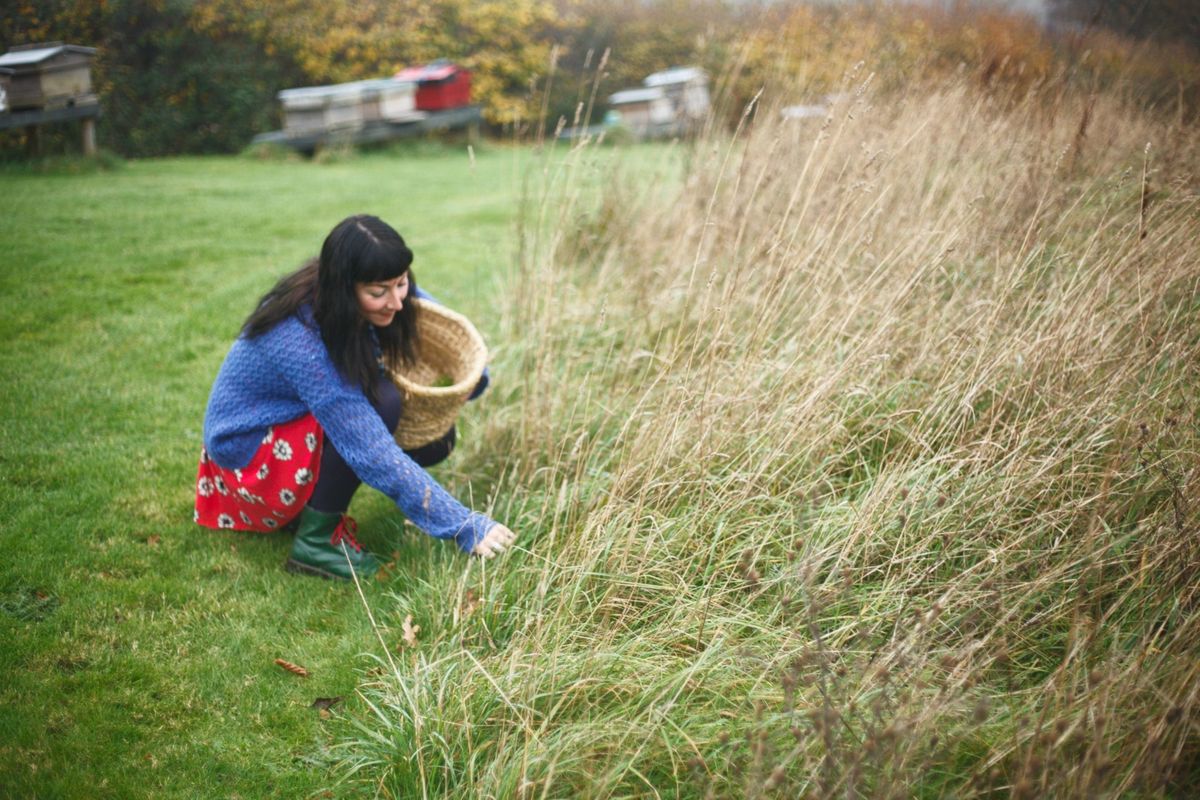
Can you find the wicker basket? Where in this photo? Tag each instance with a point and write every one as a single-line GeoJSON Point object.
{"type": "Point", "coordinates": [450, 347]}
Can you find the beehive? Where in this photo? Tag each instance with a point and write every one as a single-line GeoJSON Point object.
{"type": "Point", "coordinates": [322, 108]}
{"type": "Point", "coordinates": [389, 99]}
{"type": "Point", "coordinates": [5, 78]}
{"type": "Point", "coordinates": [50, 75]}
{"type": "Point", "coordinates": [440, 85]}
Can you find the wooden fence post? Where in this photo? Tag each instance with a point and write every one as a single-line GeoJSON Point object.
{"type": "Point", "coordinates": [89, 136]}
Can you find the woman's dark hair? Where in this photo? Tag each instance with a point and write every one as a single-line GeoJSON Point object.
{"type": "Point", "coordinates": [360, 249]}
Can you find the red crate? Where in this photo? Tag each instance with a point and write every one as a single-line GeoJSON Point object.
{"type": "Point", "coordinates": [440, 85]}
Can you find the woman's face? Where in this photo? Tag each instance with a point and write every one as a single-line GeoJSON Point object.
{"type": "Point", "coordinates": [380, 300]}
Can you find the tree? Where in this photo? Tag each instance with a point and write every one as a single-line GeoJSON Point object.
{"type": "Point", "coordinates": [502, 42]}
{"type": "Point", "coordinates": [1157, 19]}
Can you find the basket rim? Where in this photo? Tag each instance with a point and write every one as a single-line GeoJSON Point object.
{"type": "Point", "coordinates": [468, 383]}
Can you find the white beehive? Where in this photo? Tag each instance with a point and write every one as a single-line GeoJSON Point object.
{"type": "Point", "coordinates": [322, 108]}
{"type": "Point", "coordinates": [389, 100]}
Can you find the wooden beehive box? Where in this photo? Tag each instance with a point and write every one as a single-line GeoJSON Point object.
{"type": "Point", "coordinates": [390, 100]}
{"type": "Point", "coordinates": [312, 109]}
{"type": "Point", "coordinates": [687, 89]}
{"type": "Point", "coordinates": [50, 75]}
{"type": "Point", "coordinates": [5, 78]}
{"type": "Point", "coordinates": [440, 85]}
{"type": "Point", "coordinates": [645, 111]}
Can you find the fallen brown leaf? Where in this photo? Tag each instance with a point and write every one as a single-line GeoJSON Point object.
{"type": "Point", "coordinates": [470, 603]}
{"type": "Point", "coordinates": [292, 668]}
{"type": "Point", "coordinates": [410, 631]}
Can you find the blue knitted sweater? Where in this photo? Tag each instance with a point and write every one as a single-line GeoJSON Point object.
{"type": "Point", "coordinates": [286, 373]}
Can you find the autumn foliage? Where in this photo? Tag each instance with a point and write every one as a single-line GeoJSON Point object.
{"type": "Point", "coordinates": [180, 76]}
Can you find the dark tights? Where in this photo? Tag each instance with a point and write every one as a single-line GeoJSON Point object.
{"type": "Point", "coordinates": [336, 481]}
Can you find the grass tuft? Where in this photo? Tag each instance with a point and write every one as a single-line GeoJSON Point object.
{"type": "Point", "coordinates": [850, 458]}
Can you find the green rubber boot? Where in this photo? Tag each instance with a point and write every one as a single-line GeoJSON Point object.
{"type": "Point", "coordinates": [325, 546]}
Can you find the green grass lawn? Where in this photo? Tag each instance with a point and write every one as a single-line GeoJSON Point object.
{"type": "Point", "coordinates": [137, 651]}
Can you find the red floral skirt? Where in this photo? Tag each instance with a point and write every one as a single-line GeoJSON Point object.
{"type": "Point", "coordinates": [270, 490]}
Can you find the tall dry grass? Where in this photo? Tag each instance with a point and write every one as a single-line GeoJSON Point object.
{"type": "Point", "coordinates": [854, 458]}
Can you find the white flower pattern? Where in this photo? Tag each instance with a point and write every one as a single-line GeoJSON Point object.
{"type": "Point", "coordinates": [238, 512]}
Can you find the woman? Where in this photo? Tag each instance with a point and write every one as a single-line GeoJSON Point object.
{"type": "Point", "coordinates": [302, 411]}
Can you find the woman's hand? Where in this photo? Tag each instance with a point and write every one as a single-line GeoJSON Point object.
{"type": "Point", "coordinates": [494, 541]}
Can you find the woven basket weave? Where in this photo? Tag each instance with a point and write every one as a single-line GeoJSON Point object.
{"type": "Point", "coordinates": [450, 347]}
